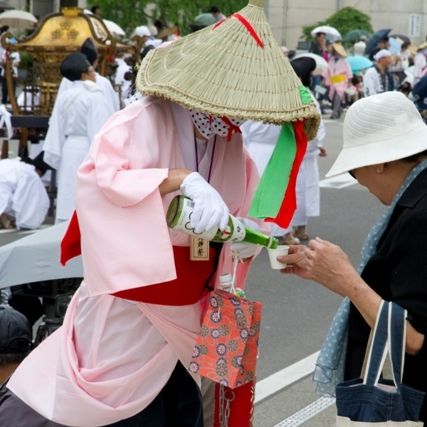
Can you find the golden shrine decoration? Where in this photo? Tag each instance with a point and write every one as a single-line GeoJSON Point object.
{"type": "Point", "coordinates": [56, 36]}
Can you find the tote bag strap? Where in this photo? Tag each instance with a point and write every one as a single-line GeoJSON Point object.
{"type": "Point", "coordinates": [397, 341]}
{"type": "Point", "coordinates": [377, 351]}
{"type": "Point", "coordinates": [389, 336]}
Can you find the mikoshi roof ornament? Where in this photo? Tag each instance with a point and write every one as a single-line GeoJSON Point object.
{"type": "Point", "coordinates": [235, 68]}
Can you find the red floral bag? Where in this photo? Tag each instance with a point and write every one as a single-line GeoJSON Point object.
{"type": "Point", "coordinates": [227, 347]}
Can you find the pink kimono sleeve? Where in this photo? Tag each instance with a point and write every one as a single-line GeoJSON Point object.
{"type": "Point", "coordinates": [124, 236]}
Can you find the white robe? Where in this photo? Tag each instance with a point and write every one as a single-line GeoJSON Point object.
{"type": "Point", "coordinates": [111, 96]}
{"type": "Point", "coordinates": [78, 114]}
{"type": "Point", "coordinates": [119, 78]}
{"type": "Point", "coordinates": [22, 194]}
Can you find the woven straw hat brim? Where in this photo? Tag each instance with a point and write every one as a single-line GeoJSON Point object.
{"type": "Point", "coordinates": [222, 70]}
{"type": "Point", "coordinates": [379, 152]}
{"type": "Point", "coordinates": [339, 48]}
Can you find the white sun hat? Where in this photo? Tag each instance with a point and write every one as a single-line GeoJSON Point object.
{"type": "Point", "coordinates": [378, 129]}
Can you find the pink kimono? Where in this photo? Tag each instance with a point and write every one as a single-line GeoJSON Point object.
{"type": "Point", "coordinates": [112, 356]}
{"type": "Point", "coordinates": [337, 76]}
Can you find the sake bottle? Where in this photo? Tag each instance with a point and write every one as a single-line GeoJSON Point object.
{"type": "Point", "coordinates": [179, 214]}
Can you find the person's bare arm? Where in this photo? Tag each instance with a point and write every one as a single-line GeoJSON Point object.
{"type": "Point", "coordinates": [328, 265]}
{"type": "Point", "coordinates": [173, 181]}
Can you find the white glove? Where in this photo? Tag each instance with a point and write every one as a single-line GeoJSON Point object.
{"type": "Point", "coordinates": [209, 209]}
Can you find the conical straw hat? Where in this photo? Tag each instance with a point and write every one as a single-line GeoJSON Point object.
{"type": "Point", "coordinates": [234, 68]}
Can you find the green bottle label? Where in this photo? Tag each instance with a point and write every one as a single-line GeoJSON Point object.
{"type": "Point", "coordinates": [178, 217]}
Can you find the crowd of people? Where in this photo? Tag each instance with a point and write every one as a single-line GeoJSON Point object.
{"type": "Point", "coordinates": [209, 133]}
{"type": "Point", "coordinates": [339, 86]}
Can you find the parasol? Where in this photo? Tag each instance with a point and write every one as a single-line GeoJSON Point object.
{"type": "Point", "coordinates": [359, 63]}
{"type": "Point", "coordinates": [356, 35]}
{"type": "Point", "coordinates": [376, 37]}
{"type": "Point", "coordinates": [321, 63]}
{"type": "Point", "coordinates": [332, 32]}
{"type": "Point", "coordinates": [113, 28]}
{"type": "Point", "coordinates": [18, 19]}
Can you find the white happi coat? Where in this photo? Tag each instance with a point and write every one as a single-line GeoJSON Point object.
{"type": "Point", "coordinates": [110, 95]}
{"type": "Point", "coordinates": [22, 194]}
{"type": "Point", "coordinates": [78, 114]}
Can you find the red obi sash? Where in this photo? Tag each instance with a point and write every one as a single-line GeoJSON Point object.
{"type": "Point", "coordinates": [188, 288]}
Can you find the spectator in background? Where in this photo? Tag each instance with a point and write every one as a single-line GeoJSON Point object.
{"type": "Point", "coordinates": [216, 12]}
{"type": "Point", "coordinates": [420, 62]}
{"type": "Point", "coordinates": [378, 79]}
{"type": "Point", "coordinates": [23, 198]}
{"type": "Point", "coordinates": [383, 43]}
{"type": "Point", "coordinates": [14, 59]}
{"type": "Point", "coordinates": [15, 341]}
{"type": "Point", "coordinates": [318, 45]}
{"type": "Point", "coordinates": [202, 21]}
{"type": "Point", "coordinates": [337, 77]}
{"type": "Point", "coordinates": [307, 187]}
{"type": "Point", "coordinates": [96, 10]}
{"type": "Point", "coordinates": [3, 29]}
{"type": "Point", "coordinates": [77, 116]}
{"type": "Point", "coordinates": [89, 50]}
{"type": "Point", "coordinates": [359, 48]}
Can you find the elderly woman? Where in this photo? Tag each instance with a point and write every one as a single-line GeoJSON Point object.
{"type": "Point", "coordinates": [388, 156]}
{"type": "Point", "coordinates": [121, 357]}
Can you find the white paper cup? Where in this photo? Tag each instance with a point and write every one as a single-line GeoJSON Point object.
{"type": "Point", "coordinates": [274, 253]}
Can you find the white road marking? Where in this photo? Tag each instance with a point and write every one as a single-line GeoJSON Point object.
{"type": "Point", "coordinates": [310, 411]}
{"type": "Point", "coordinates": [285, 377]}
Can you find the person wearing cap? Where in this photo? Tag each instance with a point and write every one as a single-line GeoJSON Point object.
{"type": "Point", "coordinates": [122, 356]}
{"type": "Point", "coordinates": [378, 79]}
{"type": "Point", "coordinates": [216, 13]}
{"type": "Point", "coordinates": [77, 116]}
{"type": "Point", "coordinates": [143, 37]}
{"type": "Point", "coordinates": [23, 198]}
{"type": "Point", "coordinates": [89, 50]}
{"type": "Point", "coordinates": [202, 21]}
{"type": "Point", "coordinates": [337, 77]}
{"type": "Point", "coordinates": [15, 341]}
{"type": "Point", "coordinates": [385, 150]}
{"type": "Point", "coordinates": [383, 43]}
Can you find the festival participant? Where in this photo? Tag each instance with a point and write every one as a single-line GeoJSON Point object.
{"type": "Point", "coordinates": [337, 77]}
{"type": "Point", "coordinates": [122, 354]}
{"type": "Point", "coordinates": [79, 113]}
{"type": "Point", "coordinates": [23, 198]}
{"type": "Point", "coordinates": [89, 50]}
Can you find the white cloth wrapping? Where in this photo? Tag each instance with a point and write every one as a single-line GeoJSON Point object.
{"type": "Point", "coordinates": [22, 194]}
{"type": "Point", "coordinates": [77, 116]}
